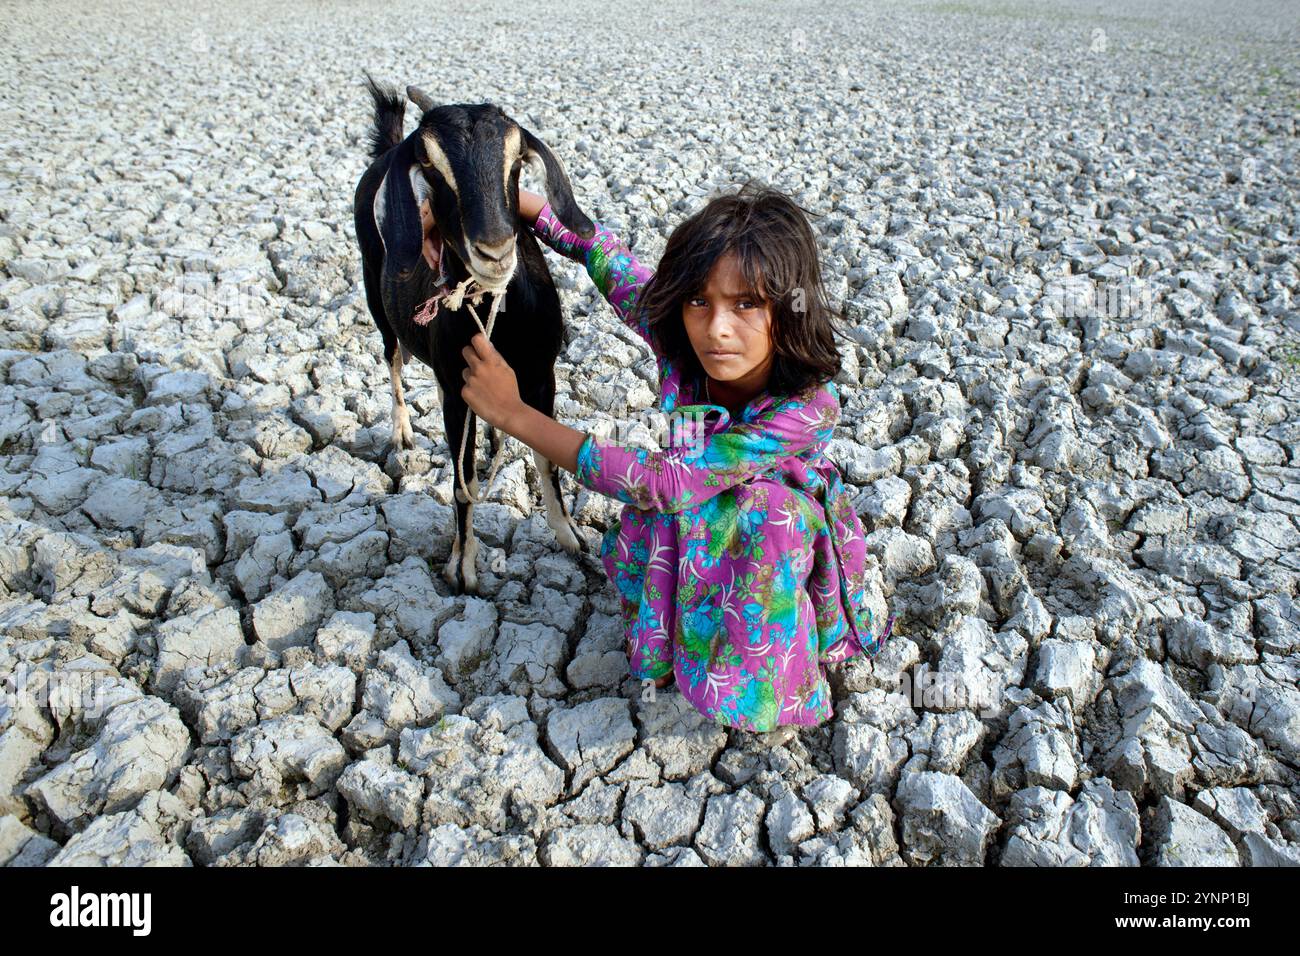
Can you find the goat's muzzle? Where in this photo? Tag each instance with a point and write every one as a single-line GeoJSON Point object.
{"type": "Point", "coordinates": [492, 270]}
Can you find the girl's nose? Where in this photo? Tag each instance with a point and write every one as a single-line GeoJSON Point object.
{"type": "Point", "coordinates": [720, 323]}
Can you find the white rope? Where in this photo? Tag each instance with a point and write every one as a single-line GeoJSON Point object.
{"type": "Point", "coordinates": [453, 301]}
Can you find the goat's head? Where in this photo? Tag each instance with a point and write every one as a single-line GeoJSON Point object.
{"type": "Point", "coordinates": [466, 160]}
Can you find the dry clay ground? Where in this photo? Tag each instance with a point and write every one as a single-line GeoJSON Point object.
{"type": "Point", "coordinates": [1065, 240]}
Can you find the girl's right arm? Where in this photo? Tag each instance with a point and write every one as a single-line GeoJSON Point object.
{"type": "Point", "coordinates": [610, 263]}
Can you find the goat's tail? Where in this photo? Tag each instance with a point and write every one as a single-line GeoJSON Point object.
{"type": "Point", "coordinates": [390, 113]}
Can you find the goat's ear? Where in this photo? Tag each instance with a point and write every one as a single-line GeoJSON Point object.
{"type": "Point", "coordinates": [558, 191]}
{"type": "Point", "coordinates": [400, 226]}
{"type": "Point", "coordinates": [419, 98]}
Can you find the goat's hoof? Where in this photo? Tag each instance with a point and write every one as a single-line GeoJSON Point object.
{"type": "Point", "coordinates": [460, 575]}
{"type": "Point", "coordinates": [566, 535]}
{"type": "Point", "coordinates": [403, 439]}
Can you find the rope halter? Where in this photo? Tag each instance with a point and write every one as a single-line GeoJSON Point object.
{"type": "Point", "coordinates": [453, 300]}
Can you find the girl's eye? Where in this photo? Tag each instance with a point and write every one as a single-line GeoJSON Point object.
{"type": "Point", "coordinates": [695, 303]}
{"type": "Point", "coordinates": [744, 304]}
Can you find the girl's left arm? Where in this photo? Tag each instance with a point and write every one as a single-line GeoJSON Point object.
{"type": "Point", "coordinates": [612, 266]}
{"type": "Point", "coordinates": [689, 473]}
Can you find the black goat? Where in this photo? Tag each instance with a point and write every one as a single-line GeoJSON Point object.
{"type": "Point", "coordinates": [465, 160]}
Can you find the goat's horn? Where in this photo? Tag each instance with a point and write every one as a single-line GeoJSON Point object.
{"type": "Point", "coordinates": [419, 98]}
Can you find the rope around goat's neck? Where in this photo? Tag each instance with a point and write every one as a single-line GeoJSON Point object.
{"type": "Point", "coordinates": [453, 302]}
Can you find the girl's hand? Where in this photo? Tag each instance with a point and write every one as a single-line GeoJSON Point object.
{"type": "Point", "coordinates": [491, 388]}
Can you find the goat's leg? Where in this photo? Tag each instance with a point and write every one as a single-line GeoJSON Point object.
{"type": "Point", "coordinates": [403, 437]}
{"type": "Point", "coordinates": [460, 571]}
{"type": "Point", "coordinates": [558, 518]}
{"type": "Point", "coordinates": [541, 395]}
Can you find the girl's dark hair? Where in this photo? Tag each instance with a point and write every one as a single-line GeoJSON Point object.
{"type": "Point", "coordinates": [777, 253]}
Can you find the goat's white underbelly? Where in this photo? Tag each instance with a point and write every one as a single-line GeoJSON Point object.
{"type": "Point", "coordinates": [381, 194]}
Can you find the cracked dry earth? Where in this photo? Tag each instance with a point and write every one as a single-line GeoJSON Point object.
{"type": "Point", "coordinates": [1086, 518]}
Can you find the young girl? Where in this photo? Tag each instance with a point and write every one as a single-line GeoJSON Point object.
{"type": "Point", "coordinates": [738, 560]}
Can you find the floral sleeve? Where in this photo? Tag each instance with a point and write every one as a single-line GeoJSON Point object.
{"type": "Point", "coordinates": [690, 472]}
{"type": "Point", "coordinates": [610, 263]}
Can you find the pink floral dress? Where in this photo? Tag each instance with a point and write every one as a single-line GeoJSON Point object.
{"type": "Point", "coordinates": [738, 559]}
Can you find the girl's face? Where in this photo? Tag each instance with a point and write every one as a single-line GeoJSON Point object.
{"type": "Point", "coordinates": [729, 330]}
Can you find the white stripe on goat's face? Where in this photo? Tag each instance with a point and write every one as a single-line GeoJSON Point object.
{"type": "Point", "coordinates": [512, 149]}
{"type": "Point", "coordinates": [438, 160]}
